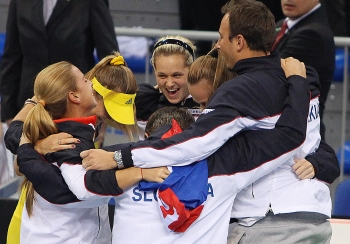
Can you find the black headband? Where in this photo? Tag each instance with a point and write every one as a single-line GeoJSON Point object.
{"type": "Point", "coordinates": [176, 42]}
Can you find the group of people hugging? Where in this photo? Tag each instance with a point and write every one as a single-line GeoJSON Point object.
{"type": "Point", "coordinates": [225, 148]}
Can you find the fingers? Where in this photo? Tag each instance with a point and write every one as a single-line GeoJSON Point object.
{"type": "Point", "coordinates": [165, 170]}
{"type": "Point", "coordinates": [163, 174]}
{"type": "Point", "coordinates": [292, 66]}
{"type": "Point", "coordinates": [88, 159]}
{"type": "Point", "coordinates": [84, 154]}
{"type": "Point", "coordinates": [304, 169]}
{"type": "Point", "coordinates": [85, 165]}
{"type": "Point", "coordinates": [65, 139]}
{"type": "Point", "coordinates": [306, 176]}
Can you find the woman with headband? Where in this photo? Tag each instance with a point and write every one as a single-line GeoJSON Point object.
{"type": "Point", "coordinates": [171, 59]}
{"type": "Point", "coordinates": [52, 214]}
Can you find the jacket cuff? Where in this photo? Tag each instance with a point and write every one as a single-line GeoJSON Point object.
{"type": "Point", "coordinates": [127, 157]}
{"type": "Point", "coordinates": [314, 164]}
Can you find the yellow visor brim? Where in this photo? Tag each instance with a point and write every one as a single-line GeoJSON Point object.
{"type": "Point", "coordinates": [119, 106]}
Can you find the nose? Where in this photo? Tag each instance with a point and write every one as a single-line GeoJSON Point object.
{"type": "Point", "coordinates": [169, 82]}
{"type": "Point", "coordinates": [217, 45]}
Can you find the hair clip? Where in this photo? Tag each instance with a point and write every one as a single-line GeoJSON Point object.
{"type": "Point", "coordinates": [119, 60]}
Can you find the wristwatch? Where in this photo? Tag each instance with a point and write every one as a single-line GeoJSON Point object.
{"type": "Point", "coordinates": [118, 158]}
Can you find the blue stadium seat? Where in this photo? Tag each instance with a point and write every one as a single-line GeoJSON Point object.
{"type": "Point", "coordinates": [339, 65]}
{"type": "Point", "coordinates": [346, 157]}
{"type": "Point", "coordinates": [342, 200]}
{"type": "Point", "coordinates": [2, 43]}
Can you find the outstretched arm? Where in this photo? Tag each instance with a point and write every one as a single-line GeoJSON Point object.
{"type": "Point", "coordinates": [94, 184]}
{"type": "Point", "coordinates": [92, 156]}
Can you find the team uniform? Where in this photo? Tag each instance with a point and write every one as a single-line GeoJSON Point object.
{"type": "Point", "coordinates": [69, 220]}
{"type": "Point", "coordinates": [251, 100]}
{"type": "Point", "coordinates": [137, 196]}
{"type": "Point", "coordinates": [228, 167]}
{"type": "Point", "coordinates": [286, 200]}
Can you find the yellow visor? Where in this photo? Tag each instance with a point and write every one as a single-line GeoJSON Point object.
{"type": "Point", "coordinates": [119, 106]}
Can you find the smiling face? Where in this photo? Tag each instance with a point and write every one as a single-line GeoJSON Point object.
{"type": "Point", "coordinates": [296, 8]}
{"type": "Point", "coordinates": [171, 75]}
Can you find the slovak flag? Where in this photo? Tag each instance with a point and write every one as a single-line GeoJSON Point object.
{"type": "Point", "coordinates": [182, 194]}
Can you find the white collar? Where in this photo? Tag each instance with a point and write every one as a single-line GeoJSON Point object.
{"type": "Point", "coordinates": [292, 23]}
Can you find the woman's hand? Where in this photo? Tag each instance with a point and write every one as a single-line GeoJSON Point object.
{"type": "Point", "coordinates": [56, 142]}
{"type": "Point", "coordinates": [303, 169]}
{"type": "Point", "coordinates": [155, 174]}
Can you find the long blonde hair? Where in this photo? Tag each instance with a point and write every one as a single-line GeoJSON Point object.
{"type": "Point", "coordinates": [51, 86]}
{"type": "Point", "coordinates": [118, 78]}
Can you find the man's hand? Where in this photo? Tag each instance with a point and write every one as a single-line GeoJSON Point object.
{"type": "Point", "coordinates": [292, 66]}
{"type": "Point", "coordinates": [98, 159]}
{"type": "Point", "coordinates": [303, 169]}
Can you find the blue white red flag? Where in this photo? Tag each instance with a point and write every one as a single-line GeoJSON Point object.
{"type": "Point", "coordinates": [182, 194]}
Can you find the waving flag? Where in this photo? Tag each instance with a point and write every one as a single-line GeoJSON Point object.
{"type": "Point", "coordinates": [182, 194]}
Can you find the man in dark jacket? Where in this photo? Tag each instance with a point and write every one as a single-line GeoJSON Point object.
{"type": "Point", "coordinates": [40, 33]}
{"type": "Point", "coordinates": [309, 38]}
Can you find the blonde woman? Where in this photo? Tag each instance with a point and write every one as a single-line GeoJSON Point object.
{"type": "Point", "coordinates": [63, 100]}
{"type": "Point", "coordinates": [171, 59]}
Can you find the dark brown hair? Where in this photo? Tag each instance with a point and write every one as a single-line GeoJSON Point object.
{"type": "Point", "coordinates": [254, 21]}
{"type": "Point", "coordinates": [165, 116]}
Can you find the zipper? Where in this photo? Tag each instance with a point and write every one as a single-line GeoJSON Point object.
{"type": "Point", "coordinates": [99, 222]}
{"type": "Point", "coordinates": [252, 190]}
{"type": "Point", "coordinates": [269, 209]}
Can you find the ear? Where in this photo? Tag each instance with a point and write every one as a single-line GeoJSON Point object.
{"type": "Point", "coordinates": [240, 42]}
{"type": "Point", "coordinates": [74, 97]}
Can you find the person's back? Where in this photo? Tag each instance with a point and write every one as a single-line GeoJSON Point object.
{"type": "Point", "coordinates": [70, 33]}
{"type": "Point", "coordinates": [309, 38]}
